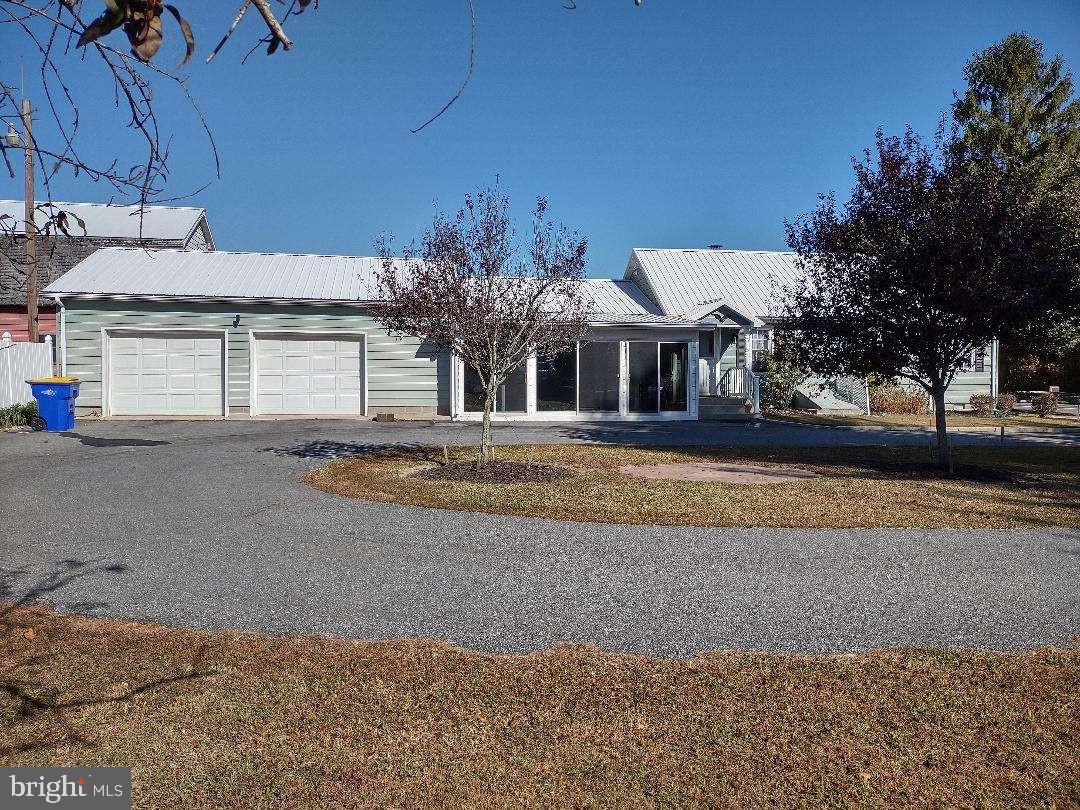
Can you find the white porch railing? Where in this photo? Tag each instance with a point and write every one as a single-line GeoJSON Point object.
{"type": "Point", "coordinates": [20, 362]}
{"type": "Point", "coordinates": [736, 382]}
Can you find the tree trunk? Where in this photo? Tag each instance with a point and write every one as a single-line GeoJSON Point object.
{"type": "Point", "coordinates": [485, 433]}
{"type": "Point", "coordinates": [938, 394]}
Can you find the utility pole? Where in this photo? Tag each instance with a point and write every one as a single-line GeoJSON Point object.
{"type": "Point", "coordinates": [29, 226]}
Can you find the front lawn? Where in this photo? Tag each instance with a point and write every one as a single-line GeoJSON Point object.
{"type": "Point", "coordinates": [859, 487]}
{"type": "Point", "coordinates": [242, 720]}
{"type": "Point", "coordinates": [957, 419]}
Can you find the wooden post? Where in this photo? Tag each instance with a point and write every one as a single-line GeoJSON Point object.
{"type": "Point", "coordinates": [29, 226]}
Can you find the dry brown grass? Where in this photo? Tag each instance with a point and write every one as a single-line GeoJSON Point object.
{"type": "Point", "coordinates": [318, 722]}
{"type": "Point", "coordinates": [955, 420]}
{"type": "Point", "coordinates": [859, 487]}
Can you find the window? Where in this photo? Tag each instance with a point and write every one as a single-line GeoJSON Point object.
{"type": "Point", "coordinates": [644, 378]}
{"type": "Point", "coordinates": [673, 376]}
{"type": "Point", "coordinates": [659, 375]}
{"type": "Point", "coordinates": [598, 376]}
{"type": "Point", "coordinates": [556, 382]}
{"type": "Point", "coordinates": [980, 359]}
{"type": "Point", "coordinates": [509, 398]}
{"type": "Point", "coordinates": [705, 344]}
{"type": "Point", "coordinates": [760, 346]}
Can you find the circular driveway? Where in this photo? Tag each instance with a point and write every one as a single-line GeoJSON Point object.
{"type": "Point", "coordinates": [206, 525]}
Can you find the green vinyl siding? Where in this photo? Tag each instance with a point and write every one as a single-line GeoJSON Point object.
{"type": "Point", "coordinates": [969, 382]}
{"type": "Point", "coordinates": [401, 371]}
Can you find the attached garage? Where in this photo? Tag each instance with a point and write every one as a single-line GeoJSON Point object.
{"type": "Point", "coordinates": [317, 374]}
{"type": "Point", "coordinates": [165, 373]}
{"type": "Point", "coordinates": [190, 333]}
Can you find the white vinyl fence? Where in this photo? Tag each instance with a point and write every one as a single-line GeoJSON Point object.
{"type": "Point", "coordinates": [18, 363]}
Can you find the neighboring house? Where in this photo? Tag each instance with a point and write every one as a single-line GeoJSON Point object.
{"type": "Point", "coordinates": [185, 333]}
{"type": "Point", "coordinates": [184, 228]}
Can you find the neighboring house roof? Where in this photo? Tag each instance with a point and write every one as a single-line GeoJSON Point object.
{"type": "Point", "coordinates": [106, 225]}
{"type": "Point", "coordinates": [687, 282]}
{"type": "Point", "coordinates": [164, 223]}
{"type": "Point", "coordinates": [135, 272]}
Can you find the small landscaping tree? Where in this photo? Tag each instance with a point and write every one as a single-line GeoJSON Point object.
{"type": "Point", "coordinates": [472, 290]}
{"type": "Point", "coordinates": [927, 261]}
{"type": "Point", "coordinates": [782, 374]}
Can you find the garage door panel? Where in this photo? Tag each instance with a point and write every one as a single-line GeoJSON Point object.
{"type": "Point", "coordinates": [162, 374]}
{"type": "Point", "coordinates": [150, 383]}
{"type": "Point", "coordinates": [297, 362]}
{"type": "Point", "coordinates": [309, 375]}
{"type": "Point", "coordinates": [178, 362]}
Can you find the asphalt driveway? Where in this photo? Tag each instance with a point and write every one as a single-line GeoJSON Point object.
{"type": "Point", "coordinates": [206, 524]}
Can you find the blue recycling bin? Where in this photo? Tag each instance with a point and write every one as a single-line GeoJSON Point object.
{"type": "Point", "coordinates": [56, 402]}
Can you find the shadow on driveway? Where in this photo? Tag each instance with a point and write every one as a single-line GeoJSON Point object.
{"type": "Point", "coordinates": [119, 441]}
{"type": "Point", "coordinates": [328, 450]}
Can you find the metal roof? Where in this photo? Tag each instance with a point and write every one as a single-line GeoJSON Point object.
{"type": "Point", "coordinates": [220, 274]}
{"type": "Point", "coordinates": [680, 281]}
{"type": "Point", "coordinates": [140, 273]}
{"type": "Point", "coordinates": [158, 222]}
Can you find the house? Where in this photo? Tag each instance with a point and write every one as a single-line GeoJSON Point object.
{"type": "Point", "coordinates": [734, 295]}
{"type": "Point", "coordinates": [181, 333]}
{"type": "Point", "coordinates": [184, 228]}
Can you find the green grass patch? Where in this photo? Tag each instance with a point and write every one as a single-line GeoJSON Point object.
{"type": "Point", "coordinates": [17, 415]}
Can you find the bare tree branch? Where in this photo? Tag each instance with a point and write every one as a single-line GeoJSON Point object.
{"type": "Point", "coordinates": [468, 72]}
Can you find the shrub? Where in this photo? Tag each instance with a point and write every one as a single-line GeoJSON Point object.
{"type": "Point", "coordinates": [1045, 403]}
{"type": "Point", "coordinates": [17, 415]}
{"type": "Point", "coordinates": [892, 398]}
{"type": "Point", "coordinates": [781, 375]}
{"type": "Point", "coordinates": [1006, 402]}
{"type": "Point", "coordinates": [986, 405]}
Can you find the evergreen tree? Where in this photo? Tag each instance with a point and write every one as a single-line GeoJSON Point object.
{"type": "Point", "coordinates": [1019, 117]}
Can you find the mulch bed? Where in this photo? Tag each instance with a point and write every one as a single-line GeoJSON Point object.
{"type": "Point", "coordinates": [497, 472]}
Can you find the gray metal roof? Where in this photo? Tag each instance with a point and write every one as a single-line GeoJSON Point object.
{"type": "Point", "coordinates": [680, 281]}
{"type": "Point", "coordinates": [136, 272]}
{"type": "Point", "coordinates": [220, 274]}
{"type": "Point", "coordinates": [158, 222]}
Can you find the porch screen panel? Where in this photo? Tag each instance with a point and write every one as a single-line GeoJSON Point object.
{"type": "Point", "coordinates": [644, 378]}
{"type": "Point", "coordinates": [556, 381]}
{"type": "Point", "coordinates": [673, 376]}
{"type": "Point", "coordinates": [512, 393]}
{"type": "Point", "coordinates": [474, 391]}
{"type": "Point", "coordinates": [509, 397]}
{"type": "Point", "coordinates": [598, 377]}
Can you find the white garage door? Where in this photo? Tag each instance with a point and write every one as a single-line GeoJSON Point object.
{"type": "Point", "coordinates": [166, 374]}
{"type": "Point", "coordinates": [309, 374]}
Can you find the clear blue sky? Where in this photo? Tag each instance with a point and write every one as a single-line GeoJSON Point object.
{"type": "Point", "coordinates": [677, 124]}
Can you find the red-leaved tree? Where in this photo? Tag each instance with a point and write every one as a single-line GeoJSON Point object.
{"type": "Point", "coordinates": [927, 261]}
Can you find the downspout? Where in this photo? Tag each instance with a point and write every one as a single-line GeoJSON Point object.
{"type": "Point", "coordinates": [63, 335]}
{"type": "Point", "coordinates": [994, 368]}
